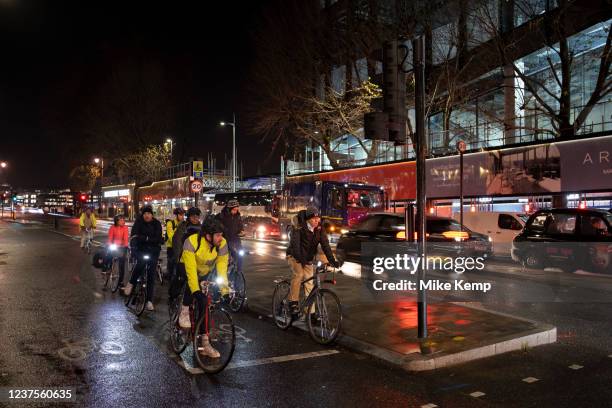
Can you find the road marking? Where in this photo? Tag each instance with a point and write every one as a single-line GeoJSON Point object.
{"type": "Point", "coordinates": [477, 394]}
{"type": "Point", "coordinates": [281, 359]}
{"type": "Point", "coordinates": [430, 405]}
{"type": "Point", "coordinates": [575, 367]}
{"type": "Point", "coordinates": [530, 380]}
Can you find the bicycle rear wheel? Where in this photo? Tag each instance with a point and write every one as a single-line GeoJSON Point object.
{"type": "Point", "coordinates": [280, 305]}
{"type": "Point", "coordinates": [239, 296]}
{"type": "Point", "coordinates": [217, 324]}
{"type": "Point", "coordinates": [114, 275]}
{"type": "Point", "coordinates": [325, 322]}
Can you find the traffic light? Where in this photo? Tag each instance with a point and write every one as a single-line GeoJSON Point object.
{"type": "Point", "coordinates": [84, 198]}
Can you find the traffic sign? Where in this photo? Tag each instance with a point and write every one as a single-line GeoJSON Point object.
{"type": "Point", "coordinates": [196, 186]}
{"type": "Point", "coordinates": [461, 146]}
{"type": "Point", "coordinates": [198, 169]}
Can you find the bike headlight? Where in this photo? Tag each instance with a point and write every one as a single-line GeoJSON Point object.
{"type": "Point", "coordinates": [113, 247]}
{"type": "Point", "coordinates": [319, 263]}
{"type": "Point", "coordinates": [145, 257]}
{"type": "Point", "coordinates": [241, 252]}
{"type": "Point", "coordinates": [219, 280]}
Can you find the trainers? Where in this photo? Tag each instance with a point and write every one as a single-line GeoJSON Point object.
{"type": "Point", "coordinates": [128, 289]}
{"type": "Point", "coordinates": [150, 307]}
{"type": "Point", "coordinates": [294, 309]}
{"type": "Point", "coordinates": [208, 350]}
{"type": "Point", "coordinates": [184, 319]}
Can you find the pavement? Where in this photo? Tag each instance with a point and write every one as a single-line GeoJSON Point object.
{"type": "Point", "coordinates": [54, 300]}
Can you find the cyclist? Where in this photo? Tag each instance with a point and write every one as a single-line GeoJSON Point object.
{"type": "Point", "coordinates": [302, 249]}
{"type": "Point", "coordinates": [118, 235]}
{"type": "Point", "coordinates": [147, 236]}
{"type": "Point", "coordinates": [202, 253]}
{"type": "Point", "coordinates": [232, 229]}
{"type": "Point", "coordinates": [87, 223]}
{"type": "Point", "coordinates": [171, 226]}
{"type": "Point", "coordinates": [184, 230]}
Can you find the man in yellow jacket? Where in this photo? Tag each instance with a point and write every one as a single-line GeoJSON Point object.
{"type": "Point", "coordinates": [87, 223]}
{"type": "Point", "coordinates": [203, 253]}
{"type": "Point", "coordinates": [171, 226]}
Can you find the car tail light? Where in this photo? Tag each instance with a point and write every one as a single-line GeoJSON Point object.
{"type": "Point", "coordinates": [402, 235]}
{"type": "Point", "coordinates": [456, 235]}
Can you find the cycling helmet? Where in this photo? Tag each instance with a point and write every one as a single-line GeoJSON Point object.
{"type": "Point", "coordinates": [146, 209]}
{"type": "Point", "coordinates": [212, 225]}
{"type": "Point", "coordinates": [178, 210]}
{"type": "Point", "coordinates": [232, 204]}
{"type": "Point", "coordinates": [193, 211]}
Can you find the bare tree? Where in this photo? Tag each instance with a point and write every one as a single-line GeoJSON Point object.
{"type": "Point", "coordinates": [143, 165]}
{"type": "Point", "coordinates": [84, 177]}
{"type": "Point", "coordinates": [549, 92]}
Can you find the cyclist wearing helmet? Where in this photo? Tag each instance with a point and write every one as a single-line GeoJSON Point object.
{"type": "Point", "coordinates": [232, 229]}
{"type": "Point", "coordinates": [301, 252]}
{"type": "Point", "coordinates": [147, 236]}
{"type": "Point", "coordinates": [171, 226]}
{"type": "Point", "coordinates": [201, 254]}
{"type": "Point", "coordinates": [191, 225]}
{"type": "Point", "coordinates": [118, 236]}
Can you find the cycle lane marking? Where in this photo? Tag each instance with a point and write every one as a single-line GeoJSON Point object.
{"type": "Point", "coordinates": [280, 359]}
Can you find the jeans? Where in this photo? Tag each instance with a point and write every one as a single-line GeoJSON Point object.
{"type": "Point", "coordinates": [139, 268]}
{"type": "Point", "coordinates": [85, 235]}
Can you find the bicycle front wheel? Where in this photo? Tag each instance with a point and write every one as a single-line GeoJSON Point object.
{"type": "Point", "coordinates": [280, 305]}
{"type": "Point", "coordinates": [214, 340]}
{"type": "Point", "coordinates": [160, 275]}
{"type": "Point", "coordinates": [140, 294]}
{"type": "Point", "coordinates": [114, 275]}
{"type": "Point", "coordinates": [239, 296]}
{"type": "Point", "coordinates": [325, 322]}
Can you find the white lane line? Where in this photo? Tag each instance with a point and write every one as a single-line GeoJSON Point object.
{"type": "Point", "coordinates": [575, 367]}
{"type": "Point", "coordinates": [477, 394]}
{"type": "Point", "coordinates": [281, 359]}
{"type": "Point", "coordinates": [430, 405]}
{"type": "Point", "coordinates": [530, 380]}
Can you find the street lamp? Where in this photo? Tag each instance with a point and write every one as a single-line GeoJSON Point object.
{"type": "Point", "coordinates": [233, 125]}
{"type": "Point", "coordinates": [100, 161]}
{"type": "Point", "coordinates": [170, 142]}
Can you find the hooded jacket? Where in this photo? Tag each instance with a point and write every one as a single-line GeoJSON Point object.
{"type": "Point", "coordinates": [232, 225]}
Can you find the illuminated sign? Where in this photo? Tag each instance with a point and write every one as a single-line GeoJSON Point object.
{"type": "Point", "coordinates": [117, 193]}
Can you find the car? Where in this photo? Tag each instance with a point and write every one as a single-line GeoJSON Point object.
{"type": "Point", "coordinates": [261, 228]}
{"type": "Point", "coordinates": [443, 235]}
{"type": "Point", "coordinates": [566, 238]}
{"type": "Point", "coordinates": [502, 227]}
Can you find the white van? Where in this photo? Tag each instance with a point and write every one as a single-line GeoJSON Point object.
{"type": "Point", "coordinates": [502, 227]}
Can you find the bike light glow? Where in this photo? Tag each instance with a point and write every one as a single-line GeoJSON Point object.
{"type": "Point", "coordinates": [319, 263]}
{"type": "Point", "coordinates": [219, 280]}
{"type": "Point", "coordinates": [284, 237]}
{"type": "Point", "coordinates": [113, 247]}
{"type": "Point", "coordinates": [241, 252]}
{"type": "Point", "coordinates": [145, 257]}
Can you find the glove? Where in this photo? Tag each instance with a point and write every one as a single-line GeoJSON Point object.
{"type": "Point", "coordinates": [335, 264]}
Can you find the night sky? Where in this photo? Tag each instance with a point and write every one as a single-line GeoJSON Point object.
{"type": "Point", "coordinates": [56, 54]}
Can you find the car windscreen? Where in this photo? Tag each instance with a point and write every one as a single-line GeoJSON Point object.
{"type": "Point", "coordinates": [364, 198]}
{"type": "Point", "coordinates": [440, 226]}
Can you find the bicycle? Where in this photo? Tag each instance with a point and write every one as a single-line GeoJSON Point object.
{"type": "Point", "coordinates": [138, 297]}
{"type": "Point", "coordinates": [158, 269]}
{"type": "Point", "coordinates": [216, 323]}
{"type": "Point", "coordinates": [112, 276]}
{"type": "Point", "coordinates": [321, 308]}
{"type": "Point", "coordinates": [89, 241]}
{"type": "Point", "coordinates": [237, 284]}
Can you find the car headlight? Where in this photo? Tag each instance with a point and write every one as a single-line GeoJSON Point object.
{"type": "Point", "coordinates": [261, 228]}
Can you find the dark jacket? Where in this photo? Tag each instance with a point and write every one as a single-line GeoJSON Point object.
{"type": "Point", "coordinates": [304, 243]}
{"type": "Point", "coordinates": [148, 235]}
{"type": "Point", "coordinates": [232, 225]}
{"type": "Point", "coordinates": [183, 231]}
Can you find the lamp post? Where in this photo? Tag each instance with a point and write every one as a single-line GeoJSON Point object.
{"type": "Point", "coordinates": [3, 165]}
{"type": "Point", "coordinates": [233, 125]}
{"type": "Point", "coordinates": [170, 142]}
{"type": "Point", "coordinates": [100, 161]}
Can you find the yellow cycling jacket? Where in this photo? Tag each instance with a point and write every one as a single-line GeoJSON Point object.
{"type": "Point", "coordinates": [82, 220]}
{"type": "Point", "coordinates": [171, 227]}
{"type": "Point", "coordinates": [200, 261]}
